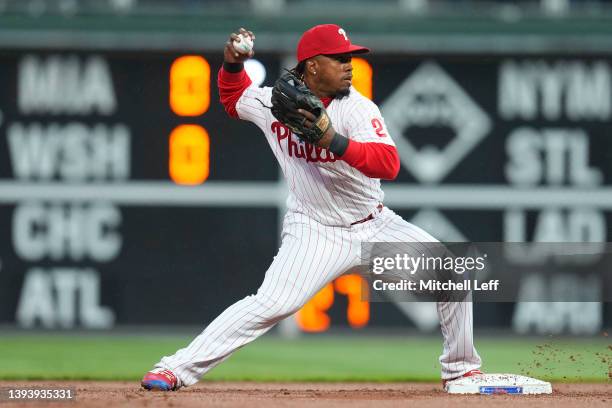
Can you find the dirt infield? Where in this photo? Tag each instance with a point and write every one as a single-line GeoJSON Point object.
{"type": "Point", "coordinates": [225, 394]}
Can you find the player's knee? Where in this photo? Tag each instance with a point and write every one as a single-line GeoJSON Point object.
{"type": "Point", "coordinates": [275, 310]}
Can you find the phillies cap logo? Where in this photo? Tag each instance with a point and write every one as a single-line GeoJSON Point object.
{"type": "Point", "coordinates": [326, 39]}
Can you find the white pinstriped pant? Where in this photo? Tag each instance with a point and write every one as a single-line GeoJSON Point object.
{"type": "Point", "coordinates": [311, 256]}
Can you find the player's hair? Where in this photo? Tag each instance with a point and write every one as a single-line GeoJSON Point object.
{"type": "Point", "coordinates": [299, 69]}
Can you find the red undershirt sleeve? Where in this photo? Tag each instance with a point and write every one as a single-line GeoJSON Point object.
{"type": "Point", "coordinates": [375, 160]}
{"type": "Point", "coordinates": [231, 86]}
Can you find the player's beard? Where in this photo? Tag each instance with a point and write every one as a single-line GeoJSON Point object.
{"type": "Point", "coordinates": [341, 93]}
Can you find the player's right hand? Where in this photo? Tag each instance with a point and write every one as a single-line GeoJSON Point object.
{"type": "Point", "coordinates": [230, 54]}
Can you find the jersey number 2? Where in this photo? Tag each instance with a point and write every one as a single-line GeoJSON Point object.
{"type": "Point", "coordinates": [378, 127]}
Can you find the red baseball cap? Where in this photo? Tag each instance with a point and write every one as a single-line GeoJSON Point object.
{"type": "Point", "coordinates": [326, 39]}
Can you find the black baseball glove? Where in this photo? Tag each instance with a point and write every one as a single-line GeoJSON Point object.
{"type": "Point", "coordinates": [290, 94]}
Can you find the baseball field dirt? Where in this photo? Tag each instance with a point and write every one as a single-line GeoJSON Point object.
{"type": "Point", "coordinates": [249, 394]}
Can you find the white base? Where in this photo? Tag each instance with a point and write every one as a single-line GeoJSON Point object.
{"type": "Point", "coordinates": [498, 384]}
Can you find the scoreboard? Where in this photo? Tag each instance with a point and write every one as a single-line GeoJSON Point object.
{"type": "Point", "coordinates": [123, 181]}
{"type": "Point", "coordinates": [97, 154]}
{"type": "Point", "coordinates": [119, 117]}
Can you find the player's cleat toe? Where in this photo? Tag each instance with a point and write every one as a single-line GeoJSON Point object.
{"type": "Point", "coordinates": [468, 374]}
{"type": "Point", "coordinates": [160, 380]}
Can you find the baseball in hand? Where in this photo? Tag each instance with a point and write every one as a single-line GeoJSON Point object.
{"type": "Point", "coordinates": [245, 45]}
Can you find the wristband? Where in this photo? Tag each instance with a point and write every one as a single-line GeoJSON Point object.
{"type": "Point", "coordinates": [233, 67]}
{"type": "Point", "coordinates": [338, 144]}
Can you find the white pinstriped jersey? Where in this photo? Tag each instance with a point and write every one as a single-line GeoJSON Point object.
{"type": "Point", "coordinates": [322, 186]}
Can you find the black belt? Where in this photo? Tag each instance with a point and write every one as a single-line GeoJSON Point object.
{"type": "Point", "coordinates": [379, 207]}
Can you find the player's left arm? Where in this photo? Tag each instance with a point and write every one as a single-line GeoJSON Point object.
{"type": "Point", "coordinates": [367, 146]}
{"type": "Point", "coordinates": [374, 159]}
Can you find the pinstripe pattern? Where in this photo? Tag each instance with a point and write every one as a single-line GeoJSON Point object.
{"type": "Point", "coordinates": [318, 242]}
{"type": "Point", "coordinates": [311, 256]}
{"type": "Point", "coordinates": [456, 322]}
{"type": "Point", "coordinates": [332, 193]}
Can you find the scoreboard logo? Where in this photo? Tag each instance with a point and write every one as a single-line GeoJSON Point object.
{"type": "Point", "coordinates": [434, 121]}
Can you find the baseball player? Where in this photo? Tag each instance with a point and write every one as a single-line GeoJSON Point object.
{"type": "Point", "coordinates": [333, 158]}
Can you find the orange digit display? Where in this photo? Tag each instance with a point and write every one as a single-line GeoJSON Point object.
{"type": "Point", "coordinates": [362, 77]}
{"type": "Point", "coordinates": [312, 317]}
{"type": "Point", "coordinates": [358, 310]}
{"type": "Point", "coordinates": [190, 85]}
{"type": "Point", "coordinates": [189, 159]}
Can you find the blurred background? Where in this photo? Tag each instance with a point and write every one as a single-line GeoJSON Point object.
{"type": "Point", "coordinates": [130, 203]}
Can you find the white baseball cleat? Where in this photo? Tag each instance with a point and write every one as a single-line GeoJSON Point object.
{"type": "Point", "coordinates": [497, 384]}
